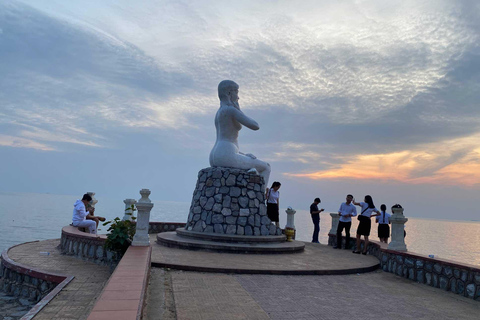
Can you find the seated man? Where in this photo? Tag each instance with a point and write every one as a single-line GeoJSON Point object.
{"type": "Point", "coordinates": [83, 218]}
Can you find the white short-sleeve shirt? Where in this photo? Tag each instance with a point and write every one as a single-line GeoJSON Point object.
{"type": "Point", "coordinates": [273, 196]}
{"type": "Point", "coordinates": [368, 211]}
{"type": "Point", "coordinates": [383, 218]}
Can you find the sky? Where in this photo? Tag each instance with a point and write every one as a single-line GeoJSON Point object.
{"type": "Point", "coordinates": [360, 97]}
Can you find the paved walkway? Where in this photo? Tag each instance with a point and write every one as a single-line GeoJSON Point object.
{"type": "Point", "coordinates": [315, 259]}
{"type": "Point", "coordinates": [194, 295]}
{"type": "Point", "coordinates": [375, 295]}
{"type": "Point", "coordinates": [77, 299]}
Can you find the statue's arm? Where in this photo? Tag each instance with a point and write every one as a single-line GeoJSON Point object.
{"type": "Point", "coordinates": [246, 121]}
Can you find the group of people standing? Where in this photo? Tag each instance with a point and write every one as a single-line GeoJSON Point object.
{"type": "Point", "coordinates": [348, 210]}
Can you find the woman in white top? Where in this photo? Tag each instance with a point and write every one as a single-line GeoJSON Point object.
{"type": "Point", "coordinates": [365, 223]}
{"type": "Point", "coordinates": [273, 196]}
{"type": "Point", "coordinates": [383, 221]}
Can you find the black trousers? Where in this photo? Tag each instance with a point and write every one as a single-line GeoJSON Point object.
{"type": "Point", "coordinates": [341, 226]}
{"type": "Point", "coordinates": [316, 227]}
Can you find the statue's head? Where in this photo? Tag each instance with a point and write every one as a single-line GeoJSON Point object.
{"type": "Point", "coordinates": [226, 89]}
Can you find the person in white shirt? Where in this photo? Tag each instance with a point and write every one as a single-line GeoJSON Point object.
{"type": "Point", "coordinates": [346, 212]}
{"type": "Point", "coordinates": [383, 221]}
{"type": "Point", "coordinates": [273, 202]}
{"type": "Point", "coordinates": [83, 218]}
{"type": "Point", "coordinates": [365, 223]}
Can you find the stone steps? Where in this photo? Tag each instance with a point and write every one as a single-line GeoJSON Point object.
{"type": "Point", "coordinates": [174, 240]}
{"type": "Point", "coordinates": [229, 237]}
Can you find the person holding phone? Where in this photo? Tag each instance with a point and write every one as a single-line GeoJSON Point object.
{"type": "Point", "coordinates": [315, 213]}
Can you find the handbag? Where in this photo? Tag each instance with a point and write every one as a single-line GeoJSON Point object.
{"type": "Point", "coordinates": [361, 217]}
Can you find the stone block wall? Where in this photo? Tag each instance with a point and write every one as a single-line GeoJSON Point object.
{"type": "Point", "coordinates": [230, 201]}
{"type": "Point", "coordinates": [19, 284]}
{"type": "Point", "coordinates": [450, 276]}
{"type": "Point", "coordinates": [158, 227]}
{"type": "Point", "coordinates": [25, 282]}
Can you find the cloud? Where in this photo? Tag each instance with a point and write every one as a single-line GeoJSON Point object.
{"type": "Point", "coordinates": [453, 162]}
{"type": "Point", "coordinates": [72, 85]}
{"type": "Point", "coordinates": [16, 142]}
{"type": "Point", "coordinates": [349, 88]}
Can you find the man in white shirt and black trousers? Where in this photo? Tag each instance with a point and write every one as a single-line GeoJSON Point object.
{"type": "Point", "coordinates": [346, 212]}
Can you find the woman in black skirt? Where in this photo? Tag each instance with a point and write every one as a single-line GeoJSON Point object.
{"type": "Point", "coordinates": [365, 223]}
{"type": "Point", "coordinates": [272, 195]}
{"type": "Point", "coordinates": [383, 221]}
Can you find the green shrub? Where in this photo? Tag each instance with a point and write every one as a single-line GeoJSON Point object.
{"type": "Point", "coordinates": [120, 233]}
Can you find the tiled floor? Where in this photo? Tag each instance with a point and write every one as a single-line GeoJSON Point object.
{"type": "Point", "coordinates": [376, 295]}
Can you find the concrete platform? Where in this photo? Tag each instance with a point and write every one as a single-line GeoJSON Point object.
{"type": "Point", "coordinates": [316, 259]}
{"type": "Point", "coordinates": [226, 244]}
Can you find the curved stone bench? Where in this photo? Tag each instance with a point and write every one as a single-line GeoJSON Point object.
{"type": "Point", "coordinates": [84, 245]}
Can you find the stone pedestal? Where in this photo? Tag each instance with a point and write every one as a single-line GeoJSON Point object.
{"type": "Point", "coordinates": [230, 201]}
{"type": "Point", "coordinates": [398, 225]}
{"type": "Point", "coordinates": [144, 206]}
{"type": "Point", "coordinates": [128, 208]}
{"type": "Point", "coordinates": [335, 219]}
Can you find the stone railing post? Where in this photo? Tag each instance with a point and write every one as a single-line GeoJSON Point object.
{"type": "Point", "coordinates": [335, 219]}
{"type": "Point", "coordinates": [290, 230]}
{"type": "Point", "coordinates": [290, 218]}
{"type": "Point", "coordinates": [398, 225]}
{"type": "Point", "coordinates": [128, 208]}
{"type": "Point", "coordinates": [144, 206]}
{"type": "Point", "coordinates": [94, 201]}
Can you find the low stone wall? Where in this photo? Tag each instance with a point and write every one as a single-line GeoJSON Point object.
{"type": "Point", "coordinates": [462, 279]}
{"type": "Point", "coordinates": [21, 281]}
{"type": "Point", "coordinates": [84, 245]}
{"type": "Point", "coordinates": [91, 247]}
{"type": "Point", "coordinates": [159, 227]}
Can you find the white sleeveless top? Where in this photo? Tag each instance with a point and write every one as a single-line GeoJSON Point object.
{"type": "Point", "coordinates": [273, 196]}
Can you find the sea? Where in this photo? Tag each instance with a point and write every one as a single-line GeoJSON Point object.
{"type": "Point", "coordinates": [33, 216]}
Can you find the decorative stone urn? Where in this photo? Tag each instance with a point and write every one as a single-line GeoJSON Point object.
{"type": "Point", "coordinates": [398, 225]}
{"type": "Point", "coordinates": [230, 201]}
{"type": "Point", "coordinates": [290, 226]}
{"type": "Point", "coordinates": [290, 218]}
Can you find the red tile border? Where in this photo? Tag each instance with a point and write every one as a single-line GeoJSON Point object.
{"type": "Point", "coordinates": [128, 283]}
{"type": "Point", "coordinates": [112, 315]}
{"type": "Point", "coordinates": [117, 305]}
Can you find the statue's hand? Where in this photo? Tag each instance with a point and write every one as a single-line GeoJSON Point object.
{"type": "Point", "coordinates": [251, 156]}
